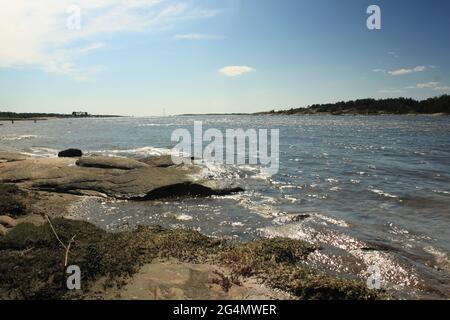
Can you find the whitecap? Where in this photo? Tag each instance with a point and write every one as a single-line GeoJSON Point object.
{"type": "Point", "coordinates": [40, 152]}
{"type": "Point", "coordinates": [383, 193]}
{"type": "Point", "coordinates": [237, 224]}
{"type": "Point", "coordinates": [441, 191]}
{"type": "Point", "coordinates": [18, 137]}
{"type": "Point", "coordinates": [137, 152]}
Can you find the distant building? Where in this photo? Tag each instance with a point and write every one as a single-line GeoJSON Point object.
{"type": "Point", "coordinates": [80, 114]}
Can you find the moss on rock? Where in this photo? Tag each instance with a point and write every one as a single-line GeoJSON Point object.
{"type": "Point", "coordinates": [280, 263]}
{"type": "Point", "coordinates": [32, 260]}
{"type": "Point", "coordinates": [11, 200]}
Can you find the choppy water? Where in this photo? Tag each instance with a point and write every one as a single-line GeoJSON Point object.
{"type": "Point", "coordinates": [376, 189]}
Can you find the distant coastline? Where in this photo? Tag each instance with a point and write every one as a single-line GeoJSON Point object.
{"type": "Point", "coordinates": [13, 116]}
{"type": "Point", "coordinates": [437, 106]}
{"type": "Point", "coordinates": [395, 106]}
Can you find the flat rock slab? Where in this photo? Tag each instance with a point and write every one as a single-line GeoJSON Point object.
{"type": "Point", "coordinates": [110, 163]}
{"type": "Point", "coordinates": [175, 280]}
{"type": "Point", "coordinates": [111, 176]}
{"type": "Point", "coordinates": [158, 161]}
{"type": "Point", "coordinates": [11, 156]}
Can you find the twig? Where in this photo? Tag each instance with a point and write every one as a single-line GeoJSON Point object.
{"type": "Point", "coordinates": [67, 248]}
{"type": "Point", "coordinates": [54, 232]}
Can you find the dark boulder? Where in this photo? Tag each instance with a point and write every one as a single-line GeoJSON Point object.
{"type": "Point", "coordinates": [70, 153]}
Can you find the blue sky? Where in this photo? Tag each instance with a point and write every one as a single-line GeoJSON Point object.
{"type": "Point", "coordinates": [138, 57]}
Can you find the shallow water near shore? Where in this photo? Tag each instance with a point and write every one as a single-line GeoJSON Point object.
{"type": "Point", "coordinates": [369, 190]}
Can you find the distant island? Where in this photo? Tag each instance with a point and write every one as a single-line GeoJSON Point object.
{"type": "Point", "coordinates": [8, 116]}
{"type": "Point", "coordinates": [436, 105]}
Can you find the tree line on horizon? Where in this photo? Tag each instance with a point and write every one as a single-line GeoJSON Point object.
{"type": "Point", "coordinates": [433, 105]}
{"type": "Point", "coordinates": [15, 115]}
{"type": "Point", "coordinates": [8, 115]}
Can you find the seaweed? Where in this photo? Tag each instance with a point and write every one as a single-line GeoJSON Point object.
{"type": "Point", "coordinates": [11, 200]}
{"type": "Point", "coordinates": [32, 260]}
{"type": "Point", "coordinates": [280, 263]}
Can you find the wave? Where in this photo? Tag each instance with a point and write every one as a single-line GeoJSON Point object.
{"type": "Point", "coordinates": [135, 152]}
{"type": "Point", "coordinates": [18, 137]}
{"type": "Point", "coordinates": [441, 191]}
{"type": "Point", "coordinates": [40, 152]}
{"type": "Point", "coordinates": [143, 125]}
{"type": "Point", "coordinates": [383, 193]}
{"type": "Point", "coordinates": [441, 257]}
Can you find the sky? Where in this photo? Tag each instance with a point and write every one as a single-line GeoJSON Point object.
{"type": "Point", "coordinates": [155, 57]}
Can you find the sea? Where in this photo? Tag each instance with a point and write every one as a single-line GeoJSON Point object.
{"type": "Point", "coordinates": [373, 192]}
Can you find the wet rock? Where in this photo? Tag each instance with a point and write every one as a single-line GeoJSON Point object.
{"type": "Point", "coordinates": [70, 153]}
{"type": "Point", "coordinates": [291, 217]}
{"type": "Point", "coordinates": [7, 222]}
{"type": "Point", "coordinates": [187, 189]}
{"type": "Point", "coordinates": [110, 163]}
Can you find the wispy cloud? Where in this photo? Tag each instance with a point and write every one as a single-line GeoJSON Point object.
{"type": "Point", "coordinates": [198, 36]}
{"type": "Point", "coordinates": [40, 37]}
{"type": "Point", "coordinates": [379, 70]}
{"type": "Point", "coordinates": [233, 71]}
{"type": "Point", "coordinates": [404, 71]}
{"type": "Point", "coordinates": [426, 85]}
{"type": "Point", "coordinates": [90, 47]}
{"type": "Point", "coordinates": [442, 88]}
{"type": "Point", "coordinates": [393, 54]}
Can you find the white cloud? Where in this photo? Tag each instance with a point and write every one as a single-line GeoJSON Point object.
{"type": "Point", "coordinates": [379, 70]}
{"type": "Point", "coordinates": [403, 71]}
{"type": "Point", "coordinates": [233, 71]}
{"type": "Point", "coordinates": [34, 33]}
{"type": "Point", "coordinates": [443, 88]}
{"type": "Point", "coordinates": [197, 36]}
{"type": "Point", "coordinates": [430, 85]}
{"type": "Point", "coordinates": [427, 85]}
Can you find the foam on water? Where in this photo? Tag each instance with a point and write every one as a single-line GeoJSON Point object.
{"type": "Point", "coordinates": [18, 137]}
{"type": "Point", "coordinates": [134, 153]}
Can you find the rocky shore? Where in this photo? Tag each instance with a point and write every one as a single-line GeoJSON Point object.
{"type": "Point", "coordinates": [37, 240]}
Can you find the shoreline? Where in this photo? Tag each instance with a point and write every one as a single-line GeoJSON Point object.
{"type": "Point", "coordinates": [57, 118]}
{"type": "Point", "coordinates": [39, 189]}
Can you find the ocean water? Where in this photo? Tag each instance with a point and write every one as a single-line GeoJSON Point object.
{"type": "Point", "coordinates": [374, 191]}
